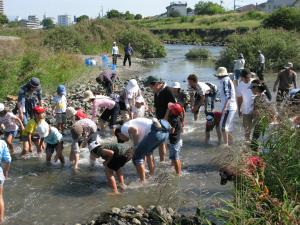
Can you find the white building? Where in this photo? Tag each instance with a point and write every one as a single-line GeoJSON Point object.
{"type": "Point", "coordinates": [1, 7]}
{"type": "Point", "coordinates": [272, 5]}
{"type": "Point", "coordinates": [177, 7]}
{"type": "Point", "coordinates": [64, 20]}
{"type": "Point", "coordinates": [33, 22]}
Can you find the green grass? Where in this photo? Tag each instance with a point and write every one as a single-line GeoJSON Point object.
{"type": "Point", "coordinates": [225, 21]}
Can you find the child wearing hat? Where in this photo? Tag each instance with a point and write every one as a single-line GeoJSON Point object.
{"type": "Point", "coordinates": [213, 121]}
{"type": "Point", "coordinates": [11, 125]}
{"type": "Point", "coordinates": [60, 107]}
{"type": "Point", "coordinates": [28, 135]}
{"type": "Point", "coordinates": [115, 156]}
{"type": "Point", "coordinates": [54, 140]}
{"type": "Point", "coordinates": [75, 114]}
{"type": "Point", "coordinates": [176, 119]}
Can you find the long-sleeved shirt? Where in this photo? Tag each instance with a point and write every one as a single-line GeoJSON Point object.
{"type": "Point", "coordinates": [115, 50]}
{"type": "Point", "coordinates": [27, 97]}
{"type": "Point", "coordinates": [261, 59]}
{"type": "Point", "coordinates": [102, 103]}
{"type": "Point", "coordinates": [4, 156]}
{"type": "Point", "coordinates": [128, 50]}
{"type": "Point", "coordinates": [227, 92]}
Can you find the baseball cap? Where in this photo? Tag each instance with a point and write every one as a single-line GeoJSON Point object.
{"type": "Point", "coordinates": [175, 108]}
{"type": "Point", "coordinates": [175, 85]}
{"type": "Point", "coordinates": [151, 79]}
{"type": "Point", "coordinates": [39, 109]}
{"type": "Point", "coordinates": [61, 89]}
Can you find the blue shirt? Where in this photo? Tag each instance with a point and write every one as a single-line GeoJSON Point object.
{"type": "Point", "coordinates": [128, 50]}
{"type": "Point", "coordinates": [54, 136]}
{"type": "Point", "coordinates": [5, 156]}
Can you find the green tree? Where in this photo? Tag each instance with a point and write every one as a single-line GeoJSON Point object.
{"type": "Point", "coordinates": [81, 18]}
{"type": "Point", "coordinates": [114, 14]}
{"type": "Point", "coordinates": [47, 23]}
{"type": "Point", "coordinates": [189, 10]}
{"type": "Point", "coordinates": [287, 18]}
{"type": "Point", "coordinates": [128, 16]}
{"type": "Point", "coordinates": [3, 19]}
{"type": "Point", "coordinates": [208, 8]}
{"type": "Point", "coordinates": [138, 17]}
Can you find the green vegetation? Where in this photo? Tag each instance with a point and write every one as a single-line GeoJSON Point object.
{"type": "Point", "coordinates": [48, 23]}
{"type": "Point", "coordinates": [83, 17]}
{"type": "Point", "coordinates": [115, 14]}
{"type": "Point", "coordinates": [3, 19]}
{"type": "Point", "coordinates": [286, 18]}
{"type": "Point", "coordinates": [198, 53]}
{"type": "Point", "coordinates": [278, 46]}
{"type": "Point", "coordinates": [228, 21]}
{"type": "Point", "coordinates": [208, 8]}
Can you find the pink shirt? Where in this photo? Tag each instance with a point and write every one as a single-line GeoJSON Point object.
{"type": "Point", "coordinates": [102, 103]}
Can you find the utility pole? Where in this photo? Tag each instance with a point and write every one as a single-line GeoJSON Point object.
{"type": "Point", "coordinates": [234, 5]}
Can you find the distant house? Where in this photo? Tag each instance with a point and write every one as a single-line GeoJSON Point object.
{"type": "Point", "coordinates": [272, 5]}
{"type": "Point", "coordinates": [64, 20]}
{"type": "Point", "coordinates": [246, 8]}
{"type": "Point", "coordinates": [177, 7]}
{"type": "Point", "coordinates": [32, 23]}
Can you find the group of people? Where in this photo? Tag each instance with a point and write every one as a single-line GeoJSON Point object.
{"type": "Point", "coordinates": [123, 110]}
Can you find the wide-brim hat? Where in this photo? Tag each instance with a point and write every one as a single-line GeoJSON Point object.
{"type": "Point", "coordinates": [175, 85]}
{"type": "Point", "coordinates": [132, 86]}
{"type": "Point", "coordinates": [88, 95]}
{"type": "Point", "coordinates": [221, 72]}
{"type": "Point", "coordinates": [70, 112]}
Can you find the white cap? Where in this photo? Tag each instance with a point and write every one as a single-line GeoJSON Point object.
{"type": "Point", "coordinates": [132, 86]}
{"type": "Point", "coordinates": [1, 107]}
{"type": "Point", "coordinates": [95, 143]}
{"type": "Point", "coordinates": [140, 99]}
{"type": "Point", "coordinates": [43, 129]}
{"type": "Point", "coordinates": [175, 85]}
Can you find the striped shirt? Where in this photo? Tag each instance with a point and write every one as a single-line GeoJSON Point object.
{"type": "Point", "coordinates": [227, 92]}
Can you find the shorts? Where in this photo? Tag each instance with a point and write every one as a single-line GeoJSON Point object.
{"type": "Point", "coordinates": [122, 106]}
{"type": "Point", "coordinates": [11, 133]}
{"type": "Point", "coordinates": [237, 74]}
{"type": "Point", "coordinates": [227, 120]}
{"type": "Point", "coordinates": [51, 148]}
{"type": "Point", "coordinates": [174, 150]}
{"type": "Point", "coordinates": [61, 118]}
{"type": "Point", "coordinates": [119, 161]}
{"type": "Point", "coordinates": [282, 94]}
{"type": "Point", "coordinates": [34, 138]}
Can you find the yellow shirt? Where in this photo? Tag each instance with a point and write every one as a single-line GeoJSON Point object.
{"type": "Point", "coordinates": [30, 128]}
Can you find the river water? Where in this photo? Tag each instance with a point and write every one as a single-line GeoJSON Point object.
{"type": "Point", "coordinates": [40, 194]}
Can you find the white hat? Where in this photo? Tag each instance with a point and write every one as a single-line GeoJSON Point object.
{"type": "Point", "coordinates": [221, 72]}
{"type": "Point", "coordinates": [88, 95]}
{"type": "Point", "coordinates": [43, 129]}
{"type": "Point", "coordinates": [70, 112]}
{"type": "Point", "coordinates": [114, 43]}
{"type": "Point", "coordinates": [175, 85]}
{"type": "Point", "coordinates": [132, 86]}
{"type": "Point", "coordinates": [289, 65]}
{"type": "Point", "coordinates": [1, 107]}
{"type": "Point", "coordinates": [139, 99]}
{"type": "Point", "coordinates": [95, 143]}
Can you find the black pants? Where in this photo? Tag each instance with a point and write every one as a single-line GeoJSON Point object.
{"type": "Point", "coordinates": [125, 60]}
{"type": "Point", "coordinates": [114, 58]}
{"type": "Point", "coordinates": [108, 85]}
{"type": "Point", "coordinates": [111, 115]}
{"type": "Point", "coordinates": [260, 71]}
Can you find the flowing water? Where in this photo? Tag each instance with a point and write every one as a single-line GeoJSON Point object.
{"type": "Point", "coordinates": [40, 194]}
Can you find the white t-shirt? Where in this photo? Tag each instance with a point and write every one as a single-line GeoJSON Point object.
{"type": "Point", "coordinates": [143, 125]}
{"type": "Point", "coordinates": [115, 50]}
{"type": "Point", "coordinates": [138, 112]}
{"type": "Point", "coordinates": [201, 89]}
{"type": "Point", "coordinates": [227, 91]}
{"type": "Point", "coordinates": [60, 103]}
{"type": "Point", "coordinates": [239, 64]}
{"type": "Point", "coordinates": [246, 93]}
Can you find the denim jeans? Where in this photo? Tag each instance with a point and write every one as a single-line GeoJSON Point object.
{"type": "Point", "coordinates": [149, 144]}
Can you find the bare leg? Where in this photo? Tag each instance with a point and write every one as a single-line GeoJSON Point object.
{"type": "Point", "coordinates": [59, 154]}
{"type": "Point", "coordinates": [230, 139]}
{"type": "Point", "coordinates": [150, 162]}
{"type": "Point", "coordinates": [2, 209]}
{"type": "Point", "coordinates": [225, 138]}
{"type": "Point", "coordinates": [111, 179]}
{"type": "Point", "coordinates": [25, 148]}
{"type": "Point", "coordinates": [177, 164]}
{"type": "Point", "coordinates": [141, 172]}
{"type": "Point", "coordinates": [77, 157]}
{"type": "Point", "coordinates": [10, 145]}
{"type": "Point", "coordinates": [207, 137]}
{"type": "Point", "coordinates": [219, 134]}
{"type": "Point", "coordinates": [162, 152]}
{"type": "Point", "coordinates": [121, 179]}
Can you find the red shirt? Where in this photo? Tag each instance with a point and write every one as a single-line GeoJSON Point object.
{"type": "Point", "coordinates": [80, 115]}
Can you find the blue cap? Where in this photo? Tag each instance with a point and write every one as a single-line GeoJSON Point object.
{"type": "Point", "coordinates": [61, 89]}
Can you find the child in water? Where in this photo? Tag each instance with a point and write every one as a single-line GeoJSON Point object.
{"type": "Point", "coordinates": [176, 118]}
{"type": "Point", "coordinates": [60, 107]}
{"type": "Point", "coordinates": [10, 123]}
{"type": "Point", "coordinates": [115, 156]}
{"type": "Point", "coordinates": [213, 121]}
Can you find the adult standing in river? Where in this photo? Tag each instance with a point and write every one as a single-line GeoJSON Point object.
{"type": "Point", "coordinates": [30, 95]}
{"type": "Point", "coordinates": [229, 104]}
{"type": "Point", "coordinates": [286, 80]}
{"type": "Point", "coordinates": [162, 97]}
{"type": "Point", "coordinates": [261, 65]}
{"type": "Point", "coordinates": [128, 53]}
{"type": "Point", "coordinates": [115, 53]}
{"type": "Point", "coordinates": [245, 100]}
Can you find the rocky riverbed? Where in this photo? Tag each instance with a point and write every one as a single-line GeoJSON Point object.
{"type": "Point", "coordinates": [153, 215]}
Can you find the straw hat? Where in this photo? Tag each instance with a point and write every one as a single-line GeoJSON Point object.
{"type": "Point", "coordinates": [70, 112]}
{"type": "Point", "coordinates": [221, 72]}
{"type": "Point", "coordinates": [175, 85]}
{"type": "Point", "coordinates": [88, 95]}
{"type": "Point", "coordinates": [132, 86]}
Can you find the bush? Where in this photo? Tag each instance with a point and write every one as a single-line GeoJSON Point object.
{"type": "Point", "coordinates": [175, 14]}
{"type": "Point", "coordinates": [198, 53]}
{"type": "Point", "coordinates": [278, 46]}
{"type": "Point", "coordinates": [145, 44]}
{"type": "Point", "coordinates": [287, 18]}
{"type": "Point", "coordinates": [208, 8]}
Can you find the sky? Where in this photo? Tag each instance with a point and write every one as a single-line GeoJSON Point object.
{"type": "Point", "coordinates": [92, 8]}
